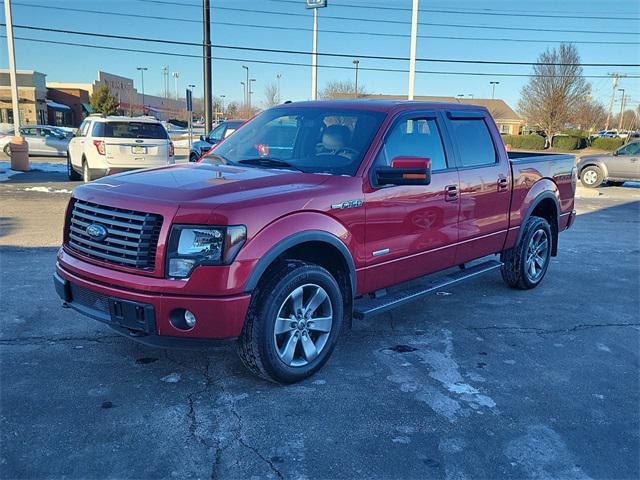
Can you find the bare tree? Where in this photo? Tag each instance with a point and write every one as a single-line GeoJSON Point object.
{"type": "Point", "coordinates": [589, 115]}
{"type": "Point", "coordinates": [556, 88]}
{"type": "Point", "coordinates": [271, 94]}
{"type": "Point", "coordinates": [341, 89]}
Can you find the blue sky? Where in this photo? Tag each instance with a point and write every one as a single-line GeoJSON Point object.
{"type": "Point", "coordinates": [77, 64]}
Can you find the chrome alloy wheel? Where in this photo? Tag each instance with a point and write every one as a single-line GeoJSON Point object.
{"type": "Point", "coordinates": [590, 177]}
{"type": "Point", "coordinates": [303, 325]}
{"type": "Point", "coordinates": [537, 255]}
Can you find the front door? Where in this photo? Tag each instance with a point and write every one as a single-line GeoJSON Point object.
{"type": "Point", "coordinates": [626, 164]}
{"type": "Point", "coordinates": [411, 230]}
{"type": "Point", "coordinates": [485, 188]}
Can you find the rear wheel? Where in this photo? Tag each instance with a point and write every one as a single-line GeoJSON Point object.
{"type": "Point", "coordinates": [293, 323]}
{"type": "Point", "coordinates": [591, 177]}
{"type": "Point", "coordinates": [86, 172]}
{"type": "Point", "coordinates": [525, 265]}
{"type": "Point", "coordinates": [71, 173]}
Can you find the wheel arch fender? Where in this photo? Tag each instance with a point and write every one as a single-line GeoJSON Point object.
{"type": "Point", "coordinates": [545, 204]}
{"type": "Point", "coordinates": [594, 163]}
{"type": "Point", "coordinates": [295, 230]}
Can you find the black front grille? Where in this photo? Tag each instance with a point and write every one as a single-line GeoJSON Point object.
{"type": "Point", "coordinates": [89, 298]}
{"type": "Point", "coordinates": [132, 237]}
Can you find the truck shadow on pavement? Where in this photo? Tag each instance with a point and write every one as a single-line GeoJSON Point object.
{"type": "Point", "coordinates": [475, 381]}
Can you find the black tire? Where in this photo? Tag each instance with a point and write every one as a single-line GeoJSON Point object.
{"type": "Point", "coordinates": [258, 344]}
{"type": "Point", "coordinates": [615, 184]}
{"type": "Point", "coordinates": [591, 176]}
{"type": "Point", "coordinates": [193, 157]}
{"type": "Point", "coordinates": [86, 172]}
{"type": "Point", "coordinates": [7, 150]}
{"type": "Point", "coordinates": [71, 173]}
{"type": "Point", "coordinates": [516, 268]}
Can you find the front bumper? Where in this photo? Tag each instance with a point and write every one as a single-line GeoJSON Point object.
{"type": "Point", "coordinates": [146, 317]}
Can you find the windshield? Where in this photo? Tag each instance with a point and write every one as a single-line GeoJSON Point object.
{"type": "Point", "coordinates": [310, 139]}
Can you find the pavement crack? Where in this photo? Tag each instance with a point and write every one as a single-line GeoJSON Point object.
{"type": "Point", "coordinates": [544, 331]}
{"type": "Point", "coordinates": [41, 340]}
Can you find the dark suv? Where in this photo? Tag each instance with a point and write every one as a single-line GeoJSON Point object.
{"type": "Point", "coordinates": [220, 132]}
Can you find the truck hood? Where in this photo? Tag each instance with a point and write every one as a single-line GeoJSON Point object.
{"type": "Point", "coordinates": [204, 183]}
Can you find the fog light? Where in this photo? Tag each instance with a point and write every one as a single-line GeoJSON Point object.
{"type": "Point", "coordinates": [189, 318]}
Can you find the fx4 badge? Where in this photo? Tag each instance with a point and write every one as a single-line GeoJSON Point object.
{"type": "Point", "coordinates": [347, 204]}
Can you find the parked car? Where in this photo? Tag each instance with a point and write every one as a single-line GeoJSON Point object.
{"type": "Point", "coordinates": [43, 140]}
{"type": "Point", "coordinates": [111, 144]}
{"type": "Point", "coordinates": [615, 168]}
{"type": "Point", "coordinates": [220, 132]}
{"type": "Point", "coordinates": [279, 247]}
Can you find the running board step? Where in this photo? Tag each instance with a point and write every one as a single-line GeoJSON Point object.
{"type": "Point", "coordinates": [375, 306]}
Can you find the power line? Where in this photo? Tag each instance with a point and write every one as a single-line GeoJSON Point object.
{"type": "Point", "coordinates": [303, 52]}
{"type": "Point", "coordinates": [347, 32]}
{"type": "Point", "coordinates": [297, 64]}
{"type": "Point", "coordinates": [484, 11]}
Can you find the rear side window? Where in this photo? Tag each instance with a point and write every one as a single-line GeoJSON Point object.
{"type": "Point", "coordinates": [418, 137]}
{"type": "Point", "coordinates": [474, 142]}
{"type": "Point", "coordinates": [129, 130]}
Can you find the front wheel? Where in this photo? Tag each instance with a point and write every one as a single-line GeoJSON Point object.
{"type": "Point", "coordinates": [86, 172]}
{"type": "Point", "coordinates": [293, 323]}
{"type": "Point", "coordinates": [7, 150]}
{"type": "Point", "coordinates": [591, 177]}
{"type": "Point", "coordinates": [525, 265]}
{"type": "Point", "coordinates": [193, 157]}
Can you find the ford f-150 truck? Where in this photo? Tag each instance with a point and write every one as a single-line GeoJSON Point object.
{"type": "Point", "coordinates": [303, 220]}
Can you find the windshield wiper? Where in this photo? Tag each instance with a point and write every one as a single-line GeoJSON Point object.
{"type": "Point", "coordinates": [268, 162]}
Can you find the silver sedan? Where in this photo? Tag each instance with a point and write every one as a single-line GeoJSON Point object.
{"type": "Point", "coordinates": [43, 140]}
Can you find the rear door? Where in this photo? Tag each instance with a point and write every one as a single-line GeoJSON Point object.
{"type": "Point", "coordinates": [412, 230]}
{"type": "Point", "coordinates": [134, 144]}
{"type": "Point", "coordinates": [35, 141]}
{"type": "Point", "coordinates": [54, 144]}
{"type": "Point", "coordinates": [485, 184]}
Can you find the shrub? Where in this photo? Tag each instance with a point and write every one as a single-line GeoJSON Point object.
{"type": "Point", "coordinates": [528, 142]}
{"type": "Point", "coordinates": [568, 142]}
{"type": "Point", "coordinates": [608, 144]}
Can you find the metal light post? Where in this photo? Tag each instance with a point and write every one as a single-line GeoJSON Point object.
{"type": "Point", "coordinates": [279, 76]}
{"type": "Point", "coordinates": [412, 53]}
{"type": "Point", "coordinates": [622, 100]}
{"type": "Point", "coordinates": [315, 5]}
{"type": "Point", "coordinates": [244, 93]}
{"type": "Point", "coordinates": [165, 80]}
{"type": "Point", "coordinates": [356, 63]}
{"type": "Point", "coordinates": [493, 89]}
{"type": "Point", "coordinates": [246, 84]}
{"type": "Point", "coordinates": [142, 70]}
{"type": "Point", "coordinates": [175, 76]}
{"type": "Point", "coordinates": [206, 65]}
{"type": "Point", "coordinates": [191, 87]}
{"type": "Point", "coordinates": [250, 91]}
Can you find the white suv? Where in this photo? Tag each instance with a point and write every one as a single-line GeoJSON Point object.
{"type": "Point", "coordinates": [106, 145]}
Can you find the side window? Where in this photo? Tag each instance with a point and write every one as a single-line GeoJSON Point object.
{"type": "Point", "coordinates": [474, 142]}
{"type": "Point", "coordinates": [82, 129]}
{"type": "Point", "coordinates": [216, 133]}
{"type": "Point", "coordinates": [419, 137]}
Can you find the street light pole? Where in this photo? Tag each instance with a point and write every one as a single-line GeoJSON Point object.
{"type": "Point", "coordinates": [142, 70]}
{"type": "Point", "coordinates": [250, 91]}
{"type": "Point", "coordinates": [175, 76]}
{"type": "Point", "coordinates": [206, 65]}
{"type": "Point", "coordinates": [222, 97]}
{"type": "Point", "coordinates": [279, 76]}
{"type": "Point", "coordinates": [621, 109]}
{"type": "Point", "coordinates": [356, 63]}
{"type": "Point", "coordinates": [493, 89]}
{"type": "Point", "coordinates": [412, 53]}
{"type": "Point", "coordinates": [191, 87]}
{"type": "Point", "coordinates": [12, 68]}
{"type": "Point", "coordinates": [246, 85]}
{"type": "Point", "coordinates": [244, 93]}
{"type": "Point", "coordinates": [314, 57]}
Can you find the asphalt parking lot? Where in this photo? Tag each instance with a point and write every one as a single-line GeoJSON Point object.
{"type": "Point", "coordinates": [478, 381]}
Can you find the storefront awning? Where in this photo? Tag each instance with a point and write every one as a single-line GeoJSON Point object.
{"type": "Point", "coordinates": [87, 108]}
{"type": "Point", "coordinates": [58, 106]}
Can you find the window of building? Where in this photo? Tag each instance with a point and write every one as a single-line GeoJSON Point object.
{"type": "Point", "coordinates": [475, 144]}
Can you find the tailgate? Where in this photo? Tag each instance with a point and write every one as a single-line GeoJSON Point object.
{"type": "Point", "coordinates": [136, 152]}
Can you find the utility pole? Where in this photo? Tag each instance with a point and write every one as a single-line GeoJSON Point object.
{"type": "Point", "coordinates": [206, 65]}
{"type": "Point", "coordinates": [493, 89]}
{"type": "Point", "coordinates": [279, 76]}
{"type": "Point", "coordinates": [165, 80]}
{"type": "Point", "coordinates": [615, 78]}
{"type": "Point", "coordinates": [315, 5]}
{"type": "Point", "coordinates": [12, 68]}
{"type": "Point", "coordinates": [142, 70]}
{"type": "Point", "coordinates": [356, 63]}
{"type": "Point", "coordinates": [621, 109]}
{"type": "Point", "coordinates": [412, 53]}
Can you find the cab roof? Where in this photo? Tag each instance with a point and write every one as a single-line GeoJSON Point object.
{"type": "Point", "coordinates": [383, 105]}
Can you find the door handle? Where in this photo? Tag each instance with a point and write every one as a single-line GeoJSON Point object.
{"type": "Point", "coordinates": [450, 193]}
{"type": "Point", "coordinates": [503, 184]}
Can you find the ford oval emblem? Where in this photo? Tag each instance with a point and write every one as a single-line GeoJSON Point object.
{"type": "Point", "coordinates": [96, 232]}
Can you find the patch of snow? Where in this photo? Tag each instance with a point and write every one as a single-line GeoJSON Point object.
{"type": "Point", "coordinates": [6, 172]}
{"type": "Point", "coordinates": [171, 378]}
{"type": "Point", "coordinates": [46, 190]}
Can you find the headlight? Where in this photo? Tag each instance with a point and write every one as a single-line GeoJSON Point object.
{"type": "Point", "coordinates": [190, 246]}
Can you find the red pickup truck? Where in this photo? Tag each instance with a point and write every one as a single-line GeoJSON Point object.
{"type": "Point", "coordinates": [302, 220]}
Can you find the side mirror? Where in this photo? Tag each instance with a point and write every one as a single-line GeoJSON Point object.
{"type": "Point", "coordinates": [405, 171]}
{"type": "Point", "coordinates": [203, 138]}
